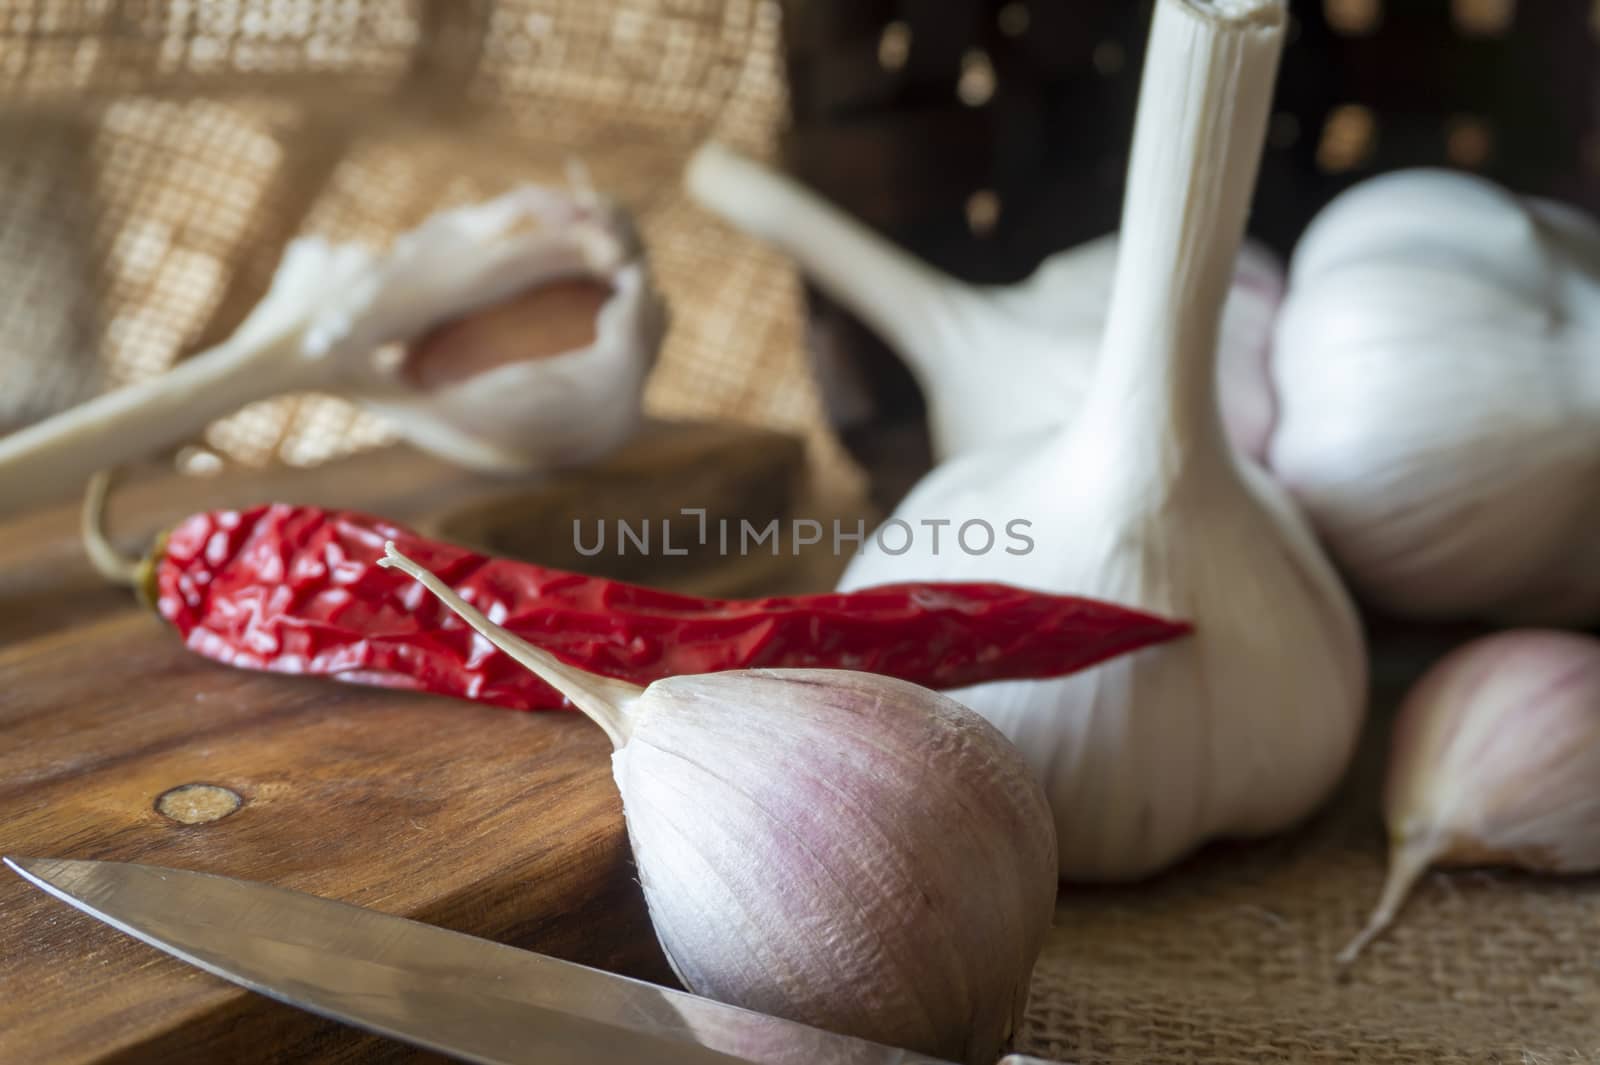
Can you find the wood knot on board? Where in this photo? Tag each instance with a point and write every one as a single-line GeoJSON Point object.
{"type": "Point", "coordinates": [197, 804]}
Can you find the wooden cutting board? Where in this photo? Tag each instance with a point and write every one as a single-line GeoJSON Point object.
{"type": "Point", "coordinates": [496, 823]}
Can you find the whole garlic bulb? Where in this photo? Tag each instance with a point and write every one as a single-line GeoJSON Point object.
{"type": "Point", "coordinates": [1437, 363]}
{"type": "Point", "coordinates": [332, 309]}
{"type": "Point", "coordinates": [994, 362]}
{"type": "Point", "coordinates": [837, 848]}
{"type": "Point", "coordinates": [1247, 726]}
{"type": "Point", "coordinates": [1495, 760]}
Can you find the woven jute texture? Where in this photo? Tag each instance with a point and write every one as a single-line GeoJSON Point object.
{"type": "Point", "coordinates": [156, 157]}
{"type": "Point", "coordinates": [1229, 958]}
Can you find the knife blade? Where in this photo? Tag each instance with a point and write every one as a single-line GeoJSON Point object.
{"type": "Point", "coordinates": [470, 998]}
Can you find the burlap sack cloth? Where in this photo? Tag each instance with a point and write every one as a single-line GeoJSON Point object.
{"type": "Point", "coordinates": [156, 157]}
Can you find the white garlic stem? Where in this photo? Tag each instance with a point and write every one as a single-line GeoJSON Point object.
{"type": "Point", "coordinates": [1247, 726]}
{"type": "Point", "coordinates": [993, 362]}
{"type": "Point", "coordinates": [1196, 149]}
{"type": "Point", "coordinates": [608, 702]}
{"type": "Point", "coordinates": [1495, 760]}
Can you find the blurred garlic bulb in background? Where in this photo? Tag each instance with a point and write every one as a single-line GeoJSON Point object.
{"type": "Point", "coordinates": [993, 362]}
{"type": "Point", "coordinates": [483, 300]}
{"type": "Point", "coordinates": [1437, 364]}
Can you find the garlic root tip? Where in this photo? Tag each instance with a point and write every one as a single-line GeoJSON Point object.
{"type": "Point", "coordinates": [1408, 860]}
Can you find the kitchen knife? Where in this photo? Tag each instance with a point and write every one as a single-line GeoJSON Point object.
{"type": "Point", "coordinates": [469, 998]}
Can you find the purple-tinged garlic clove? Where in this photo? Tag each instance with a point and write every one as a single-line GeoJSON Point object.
{"type": "Point", "coordinates": [1495, 760]}
{"type": "Point", "coordinates": [837, 848]}
{"type": "Point", "coordinates": [564, 270]}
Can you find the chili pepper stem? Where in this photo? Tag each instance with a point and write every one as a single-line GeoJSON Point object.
{"type": "Point", "coordinates": [106, 559]}
{"type": "Point", "coordinates": [608, 703]}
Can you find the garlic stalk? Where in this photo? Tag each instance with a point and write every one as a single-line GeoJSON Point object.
{"type": "Point", "coordinates": [1246, 727]}
{"type": "Point", "coordinates": [993, 362]}
{"type": "Point", "coordinates": [1437, 363]}
{"type": "Point", "coordinates": [532, 253]}
{"type": "Point", "coordinates": [1495, 760]}
{"type": "Point", "coordinates": [837, 848]}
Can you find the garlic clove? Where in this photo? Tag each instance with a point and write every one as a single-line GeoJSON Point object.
{"type": "Point", "coordinates": [1495, 760]}
{"type": "Point", "coordinates": [837, 848]}
{"type": "Point", "coordinates": [993, 362]}
{"type": "Point", "coordinates": [539, 410]}
{"type": "Point", "coordinates": [1439, 399]}
{"type": "Point", "coordinates": [868, 866]}
{"type": "Point", "coordinates": [548, 319]}
{"type": "Point", "coordinates": [491, 251]}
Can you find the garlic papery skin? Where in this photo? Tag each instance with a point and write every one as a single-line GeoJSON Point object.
{"type": "Point", "coordinates": [993, 362]}
{"type": "Point", "coordinates": [1246, 727]}
{"type": "Point", "coordinates": [1495, 760]}
{"type": "Point", "coordinates": [837, 848]}
{"type": "Point", "coordinates": [332, 309]}
{"type": "Point", "coordinates": [1437, 364]}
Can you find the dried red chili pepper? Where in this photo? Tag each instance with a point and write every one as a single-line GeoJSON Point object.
{"type": "Point", "coordinates": [298, 590]}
